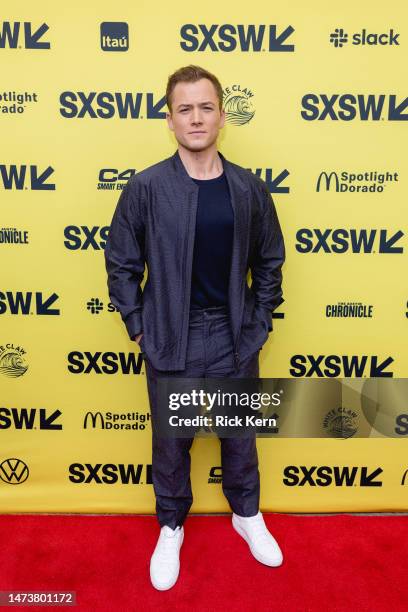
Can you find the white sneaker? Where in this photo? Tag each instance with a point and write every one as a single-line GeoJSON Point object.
{"type": "Point", "coordinates": [261, 543]}
{"type": "Point", "coordinates": [165, 562]}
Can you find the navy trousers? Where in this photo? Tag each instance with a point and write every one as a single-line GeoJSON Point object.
{"type": "Point", "coordinates": [209, 354]}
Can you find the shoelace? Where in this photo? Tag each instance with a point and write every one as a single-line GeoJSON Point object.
{"type": "Point", "coordinates": [168, 546]}
{"type": "Point", "coordinates": [259, 531]}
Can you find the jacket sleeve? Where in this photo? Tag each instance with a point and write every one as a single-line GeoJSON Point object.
{"type": "Point", "coordinates": [124, 257]}
{"type": "Point", "coordinates": [269, 257]}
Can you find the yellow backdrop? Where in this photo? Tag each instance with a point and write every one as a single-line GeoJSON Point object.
{"type": "Point", "coordinates": [310, 88]}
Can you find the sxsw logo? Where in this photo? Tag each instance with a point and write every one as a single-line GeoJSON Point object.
{"type": "Point", "coordinates": [339, 38]}
{"type": "Point", "coordinates": [106, 104]}
{"type": "Point", "coordinates": [28, 303]}
{"type": "Point", "coordinates": [110, 473]}
{"type": "Point", "coordinates": [346, 366]}
{"type": "Point", "coordinates": [29, 419]}
{"type": "Point", "coordinates": [272, 182]}
{"type": "Point", "coordinates": [104, 363]}
{"type": "Point", "coordinates": [227, 38]}
{"type": "Point", "coordinates": [114, 36]}
{"type": "Point", "coordinates": [22, 35]}
{"type": "Point", "coordinates": [348, 106]}
{"type": "Point", "coordinates": [26, 177]}
{"type": "Point", "coordinates": [326, 475]}
{"type": "Point", "coordinates": [84, 237]}
{"type": "Point", "coordinates": [343, 240]}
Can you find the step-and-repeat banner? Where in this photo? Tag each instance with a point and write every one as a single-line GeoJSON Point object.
{"type": "Point", "coordinates": [315, 98]}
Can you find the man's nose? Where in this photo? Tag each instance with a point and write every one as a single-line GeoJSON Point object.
{"type": "Point", "coordinates": [196, 116]}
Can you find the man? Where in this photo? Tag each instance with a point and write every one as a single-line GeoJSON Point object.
{"type": "Point", "coordinates": [199, 223]}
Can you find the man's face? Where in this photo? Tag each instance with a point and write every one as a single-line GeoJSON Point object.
{"type": "Point", "coordinates": [196, 117]}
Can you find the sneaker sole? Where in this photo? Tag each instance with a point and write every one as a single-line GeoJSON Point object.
{"type": "Point", "coordinates": [254, 553]}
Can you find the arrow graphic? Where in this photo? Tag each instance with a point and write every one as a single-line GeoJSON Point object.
{"type": "Point", "coordinates": [275, 43]}
{"type": "Point", "coordinates": [48, 422]}
{"type": "Point", "coordinates": [38, 182]}
{"type": "Point", "coordinates": [32, 38]}
{"type": "Point", "coordinates": [153, 110]}
{"type": "Point", "coordinates": [386, 246]}
{"type": "Point", "coordinates": [395, 112]}
{"type": "Point", "coordinates": [367, 480]}
{"type": "Point", "coordinates": [43, 308]}
{"type": "Point", "coordinates": [377, 369]}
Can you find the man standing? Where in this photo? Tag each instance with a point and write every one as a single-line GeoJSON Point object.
{"type": "Point", "coordinates": [199, 223]}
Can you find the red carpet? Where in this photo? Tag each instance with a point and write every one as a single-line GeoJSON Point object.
{"type": "Point", "coordinates": [334, 563]}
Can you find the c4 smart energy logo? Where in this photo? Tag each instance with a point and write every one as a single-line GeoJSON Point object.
{"type": "Point", "coordinates": [238, 104]}
{"type": "Point", "coordinates": [243, 37]}
{"type": "Point", "coordinates": [339, 38]}
{"type": "Point", "coordinates": [348, 106]}
{"type": "Point", "coordinates": [110, 179]}
{"type": "Point", "coordinates": [114, 36]}
{"type": "Point", "coordinates": [22, 35]}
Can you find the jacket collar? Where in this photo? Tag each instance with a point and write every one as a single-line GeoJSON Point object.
{"type": "Point", "coordinates": [233, 177]}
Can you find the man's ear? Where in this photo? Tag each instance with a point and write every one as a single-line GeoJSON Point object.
{"type": "Point", "coordinates": [222, 120]}
{"type": "Point", "coordinates": [169, 121]}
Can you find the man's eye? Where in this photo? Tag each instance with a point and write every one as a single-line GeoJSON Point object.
{"type": "Point", "coordinates": [183, 110]}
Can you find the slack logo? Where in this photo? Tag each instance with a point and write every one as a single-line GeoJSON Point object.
{"type": "Point", "coordinates": [114, 36]}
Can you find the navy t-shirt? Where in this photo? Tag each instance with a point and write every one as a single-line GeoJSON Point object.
{"type": "Point", "coordinates": [213, 244]}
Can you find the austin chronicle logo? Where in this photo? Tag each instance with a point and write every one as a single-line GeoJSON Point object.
{"type": "Point", "coordinates": [238, 105]}
{"type": "Point", "coordinates": [13, 471]}
{"type": "Point", "coordinates": [12, 362]}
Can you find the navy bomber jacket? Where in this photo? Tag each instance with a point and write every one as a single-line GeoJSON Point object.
{"type": "Point", "coordinates": [154, 225]}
